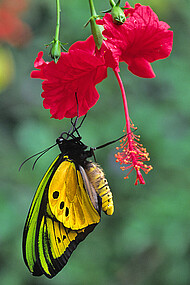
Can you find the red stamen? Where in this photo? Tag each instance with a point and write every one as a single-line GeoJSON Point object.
{"type": "Point", "coordinates": [133, 153]}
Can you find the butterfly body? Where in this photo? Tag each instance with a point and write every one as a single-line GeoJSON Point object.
{"type": "Point", "coordinates": [65, 209]}
{"type": "Point", "coordinates": [100, 184]}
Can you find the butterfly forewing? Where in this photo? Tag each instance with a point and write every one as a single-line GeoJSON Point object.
{"type": "Point", "coordinates": [68, 200]}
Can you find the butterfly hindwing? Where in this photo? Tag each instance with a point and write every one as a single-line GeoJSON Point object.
{"type": "Point", "coordinates": [53, 230]}
{"type": "Point", "coordinates": [57, 244]}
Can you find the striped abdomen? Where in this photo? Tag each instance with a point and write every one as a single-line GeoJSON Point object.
{"type": "Point", "coordinates": [99, 182]}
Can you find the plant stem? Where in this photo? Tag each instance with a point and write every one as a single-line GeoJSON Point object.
{"type": "Point", "coordinates": [58, 21]}
{"type": "Point", "coordinates": [92, 8]}
{"type": "Point", "coordinates": [112, 3]}
{"type": "Point", "coordinates": [96, 29]}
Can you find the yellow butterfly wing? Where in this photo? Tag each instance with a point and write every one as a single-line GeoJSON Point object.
{"type": "Point", "coordinates": [47, 242]}
{"type": "Point", "coordinates": [68, 200]}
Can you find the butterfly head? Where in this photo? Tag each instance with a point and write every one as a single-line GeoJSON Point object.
{"type": "Point", "coordinates": [74, 148]}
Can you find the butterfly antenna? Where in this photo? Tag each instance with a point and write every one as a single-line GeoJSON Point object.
{"type": "Point", "coordinates": [37, 160]}
{"type": "Point", "coordinates": [39, 153]}
{"type": "Point", "coordinates": [108, 143]}
{"type": "Point", "coordinates": [111, 142]}
{"type": "Point", "coordinates": [42, 154]}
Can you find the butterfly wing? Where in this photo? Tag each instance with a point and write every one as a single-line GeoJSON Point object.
{"type": "Point", "coordinates": [68, 201]}
{"type": "Point", "coordinates": [47, 242]}
{"type": "Point", "coordinates": [30, 229]}
{"type": "Point", "coordinates": [55, 243]}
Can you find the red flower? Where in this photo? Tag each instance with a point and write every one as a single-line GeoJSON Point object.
{"type": "Point", "coordinates": [12, 29]}
{"type": "Point", "coordinates": [141, 40]}
{"type": "Point", "coordinates": [76, 74]}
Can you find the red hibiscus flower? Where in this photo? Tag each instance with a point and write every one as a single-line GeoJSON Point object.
{"type": "Point", "coordinates": [142, 39]}
{"type": "Point", "coordinates": [75, 75]}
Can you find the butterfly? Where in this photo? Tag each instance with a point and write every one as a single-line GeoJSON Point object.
{"type": "Point", "coordinates": [66, 207]}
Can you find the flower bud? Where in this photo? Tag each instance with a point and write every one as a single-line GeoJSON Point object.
{"type": "Point", "coordinates": [118, 15]}
{"type": "Point", "coordinates": [96, 32]}
{"type": "Point", "coordinates": [56, 50]}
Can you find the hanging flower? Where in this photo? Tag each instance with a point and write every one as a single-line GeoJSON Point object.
{"type": "Point", "coordinates": [73, 77]}
{"type": "Point", "coordinates": [141, 40]}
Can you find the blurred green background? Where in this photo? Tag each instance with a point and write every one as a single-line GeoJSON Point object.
{"type": "Point", "coordinates": [147, 240]}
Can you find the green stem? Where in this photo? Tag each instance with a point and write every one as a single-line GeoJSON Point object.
{"type": "Point", "coordinates": [58, 21]}
{"type": "Point", "coordinates": [96, 29]}
{"type": "Point", "coordinates": [112, 3]}
{"type": "Point", "coordinates": [92, 8]}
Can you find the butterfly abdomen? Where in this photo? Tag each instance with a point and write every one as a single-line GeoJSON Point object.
{"type": "Point", "coordinates": [97, 179]}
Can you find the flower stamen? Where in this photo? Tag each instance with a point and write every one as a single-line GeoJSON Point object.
{"type": "Point", "coordinates": [132, 154]}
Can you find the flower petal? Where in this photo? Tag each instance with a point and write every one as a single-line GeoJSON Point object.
{"type": "Point", "coordinates": [140, 67]}
{"type": "Point", "coordinates": [39, 63]}
{"type": "Point", "coordinates": [149, 37]}
{"type": "Point", "coordinates": [141, 40]}
{"type": "Point", "coordinates": [75, 74]}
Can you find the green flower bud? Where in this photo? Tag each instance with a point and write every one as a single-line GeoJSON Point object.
{"type": "Point", "coordinates": [97, 32]}
{"type": "Point", "coordinates": [55, 50]}
{"type": "Point", "coordinates": [118, 15]}
{"type": "Point", "coordinates": [96, 29]}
